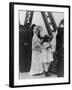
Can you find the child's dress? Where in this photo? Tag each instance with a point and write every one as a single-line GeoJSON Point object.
{"type": "Point", "coordinates": [46, 55]}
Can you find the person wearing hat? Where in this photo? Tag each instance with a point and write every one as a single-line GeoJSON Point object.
{"type": "Point", "coordinates": [36, 65]}
{"type": "Point", "coordinates": [60, 49]}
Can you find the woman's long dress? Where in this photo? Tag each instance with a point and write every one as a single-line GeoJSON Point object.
{"type": "Point", "coordinates": [36, 65]}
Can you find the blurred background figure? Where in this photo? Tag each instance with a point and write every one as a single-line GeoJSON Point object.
{"type": "Point", "coordinates": [60, 49]}
{"type": "Point", "coordinates": [25, 48]}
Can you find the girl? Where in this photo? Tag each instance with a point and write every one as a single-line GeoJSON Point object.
{"type": "Point", "coordinates": [46, 55]}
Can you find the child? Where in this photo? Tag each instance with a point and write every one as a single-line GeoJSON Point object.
{"type": "Point", "coordinates": [46, 55]}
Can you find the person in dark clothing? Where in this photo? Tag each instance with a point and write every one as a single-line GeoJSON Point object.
{"type": "Point", "coordinates": [25, 48]}
{"type": "Point", "coordinates": [60, 49]}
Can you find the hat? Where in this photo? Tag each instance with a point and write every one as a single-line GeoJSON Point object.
{"type": "Point", "coordinates": [46, 38]}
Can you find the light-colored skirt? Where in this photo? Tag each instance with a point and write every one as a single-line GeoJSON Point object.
{"type": "Point", "coordinates": [36, 64]}
{"type": "Point", "coordinates": [46, 56]}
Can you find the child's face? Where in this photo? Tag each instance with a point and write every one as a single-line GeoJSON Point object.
{"type": "Point", "coordinates": [45, 44]}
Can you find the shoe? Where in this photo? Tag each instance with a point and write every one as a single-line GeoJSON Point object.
{"type": "Point", "coordinates": [47, 74]}
{"type": "Point", "coordinates": [37, 74]}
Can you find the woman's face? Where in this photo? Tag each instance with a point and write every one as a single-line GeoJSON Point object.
{"type": "Point", "coordinates": [35, 30]}
{"type": "Point", "coordinates": [38, 30]}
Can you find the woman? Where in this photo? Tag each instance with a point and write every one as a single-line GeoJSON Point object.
{"type": "Point", "coordinates": [36, 65]}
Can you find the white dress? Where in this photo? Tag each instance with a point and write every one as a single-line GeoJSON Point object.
{"type": "Point", "coordinates": [46, 55]}
{"type": "Point", "coordinates": [36, 65]}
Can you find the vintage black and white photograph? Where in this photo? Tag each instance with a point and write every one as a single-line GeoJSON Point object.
{"type": "Point", "coordinates": [41, 53]}
{"type": "Point", "coordinates": [41, 44]}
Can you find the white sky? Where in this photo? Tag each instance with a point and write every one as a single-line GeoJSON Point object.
{"type": "Point", "coordinates": [38, 20]}
{"type": "Point", "coordinates": [57, 17]}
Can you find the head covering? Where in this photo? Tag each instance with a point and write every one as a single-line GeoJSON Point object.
{"type": "Point", "coordinates": [32, 27]}
{"type": "Point", "coordinates": [46, 38]}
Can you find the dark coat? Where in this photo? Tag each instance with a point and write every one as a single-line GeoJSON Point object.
{"type": "Point", "coordinates": [25, 49]}
{"type": "Point", "coordinates": [60, 52]}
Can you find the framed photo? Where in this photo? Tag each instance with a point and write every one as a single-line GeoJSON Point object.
{"type": "Point", "coordinates": [39, 44]}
